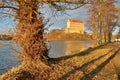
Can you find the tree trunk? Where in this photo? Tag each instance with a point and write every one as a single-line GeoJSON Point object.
{"type": "Point", "coordinates": [30, 30]}
{"type": "Point", "coordinates": [109, 37]}
{"type": "Point", "coordinates": [105, 39]}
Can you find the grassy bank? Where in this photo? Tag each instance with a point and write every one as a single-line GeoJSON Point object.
{"type": "Point", "coordinates": [91, 64]}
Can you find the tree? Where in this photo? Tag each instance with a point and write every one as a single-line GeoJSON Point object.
{"type": "Point", "coordinates": [118, 35]}
{"type": "Point", "coordinates": [95, 19]}
{"type": "Point", "coordinates": [118, 23]}
{"type": "Point", "coordinates": [111, 18]}
{"type": "Point", "coordinates": [103, 18]}
{"type": "Point", "coordinates": [30, 24]}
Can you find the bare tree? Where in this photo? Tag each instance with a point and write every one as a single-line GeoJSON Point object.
{"type": "Point", "coordinates": [118, 23]}
{"type": "Point", "coordinates": [30, 23]}
{"type": "Point", "coordinates": [103, 18]}
{"type": "Point", "coordinates": [94, 21]}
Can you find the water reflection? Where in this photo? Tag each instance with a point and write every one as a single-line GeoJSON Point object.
{"type": "Point", "coordinates": [73, 47]}
{"type": "Point", "coordinates": [62, 48]}
{"type": "Point", "coordinates": [8, 58]}
{"type": "Point", "coordinates": [57, 48]}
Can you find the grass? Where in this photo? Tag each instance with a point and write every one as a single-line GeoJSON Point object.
{"type": "Point", "coordinates": [91, 64]}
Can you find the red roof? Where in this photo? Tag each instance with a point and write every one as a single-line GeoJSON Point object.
{"type": "Point", "coordinates": [79, 21]}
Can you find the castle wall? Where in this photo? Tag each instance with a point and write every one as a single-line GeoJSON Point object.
{"type": "Point", "coordinates": [74, 27]}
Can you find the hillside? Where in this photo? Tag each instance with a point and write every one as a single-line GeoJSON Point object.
{"type": "Point", "coordinates": [61, 35]}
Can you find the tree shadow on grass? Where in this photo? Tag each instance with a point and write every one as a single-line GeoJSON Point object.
{"type": "Point", "coordinates": [90, 75]}
{"type": "Point", "coordinates": [84, 65]}
{"type": "Point", "coordinates": [119, 76]}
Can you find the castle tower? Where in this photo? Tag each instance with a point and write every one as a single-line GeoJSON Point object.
{"type": "Point", "coordinates": [75, 26]}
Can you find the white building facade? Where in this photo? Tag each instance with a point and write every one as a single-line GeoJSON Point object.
{"type": "Point", "coordinates": [75, 26]}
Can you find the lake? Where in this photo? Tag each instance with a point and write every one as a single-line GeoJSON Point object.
{"type": "Point", "coordinates": [8, 57]}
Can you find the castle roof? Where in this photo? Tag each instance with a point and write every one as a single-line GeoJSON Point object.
{"type": "Point", "coordinates": [78, 21]}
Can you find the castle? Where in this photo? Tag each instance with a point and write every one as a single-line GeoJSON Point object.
{"type": "Point", "coordinates": [75, 26]}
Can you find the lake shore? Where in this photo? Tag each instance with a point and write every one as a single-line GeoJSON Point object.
{"type": "Point", "coordinates": [90, 64]}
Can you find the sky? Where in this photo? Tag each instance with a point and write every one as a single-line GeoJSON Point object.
{"type": "Point", "coordinates": [58, 22]}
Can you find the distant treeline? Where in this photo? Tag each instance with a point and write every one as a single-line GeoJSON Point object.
{"type": "Point", "coordinates": [61, 35]}
{"type": "Point", "coordinates": [5, 37]}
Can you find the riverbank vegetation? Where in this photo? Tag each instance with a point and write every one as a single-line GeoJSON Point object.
{"type": "Point", "coordinates": [61, 35]}
{"type": "Point", "coordinates": [57, 34]}
{"type": "Point", "coordinates": [89, 64]}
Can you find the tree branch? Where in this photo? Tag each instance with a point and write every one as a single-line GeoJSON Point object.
{"type": "Point", "coordinates": [11, 7]}
{"type": "Point", "coordinates": [66, 1]}
{"type": "Point", "coordinates": [62, 7]}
